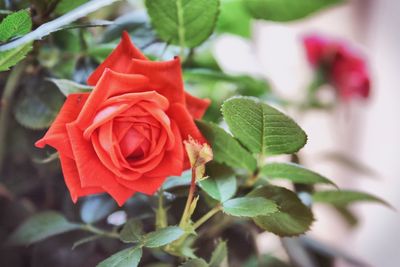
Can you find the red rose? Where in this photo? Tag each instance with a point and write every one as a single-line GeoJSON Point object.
{"type": "Point", "coordinates": [344, 68]}
{"type": "Point", "coordinates": [127, 135]}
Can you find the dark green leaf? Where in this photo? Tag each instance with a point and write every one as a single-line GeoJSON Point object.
{"type": "Point", "coordinates": [234, 18]}
{"type": "Point", "coordinates": [225, 148]}
{"type": "Point", "coordinates": [132, 231]}
{"type": "Point", "coordinates": [162, 237]}
{"type": "Point", "coordinates": [64, 6]}
{"type": "Point", "coordinates": [187, 23]}
{"type": "Point", "coordinates": [345, 197]}
{"type": "Point", "coordinates": [286, 10]}
{"type": "Point", "coordinates": [195, 263]}
{"type": "Point", "coordinates": [15, 24]}
{"type": "Point", "coordinates": [69, 87]}
{"type": "Point", "coordinates": [11, 57]}
{"type": "Point", "coordinates": [293, 217]}
{"type": "Point", "coordinates": [96, 208]}
{"type": "Point", "coordinates": [129, 257]}
{"type": "Point", "coordinates": [262, 128]}
{"type": "Point", "coordinates": [41, 226]}
{"type": "Point", "coordinates": [249, 206]}
{"type": "Point", "coordinates": [219, 254]}
{"type": "Point", "coordinates": [293, 172]}
{"type": "Point", "coordinates": [36, 108]}
{"type": "Point", "coordinates": [220, 188]}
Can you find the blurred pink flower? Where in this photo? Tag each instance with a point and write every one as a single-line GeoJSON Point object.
{"type": "Point", "coordinates": [344, 68]}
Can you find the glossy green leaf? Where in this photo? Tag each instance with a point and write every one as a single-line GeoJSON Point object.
{"type": "Point", "coordinates": [220, 188]}
{"type": "Point", "coordinates": [225, 148]}
{"type": "Point", "coordinates": [286, 10]}
{"type": "Point", "coordinates": [96, 208]}
{"type": "Point", "coordinates": [262, 128]}
{"type": "Point", "coordinates": [132, 231]}
{"type": "Point", "coordinates": [345, 197]}
{"type": "Point", "coordinates": [129, 257]}
{"type": "Point", "coordinates": [70, 87]}
{"type": "Point", "coordinates": [234, 18]}
{"type": "Point", "coordinates": [15, 24]}
{"type": "Point", "coordinates": [41, 226]}
{"type": "Point", "coordinates": [195, 263]}
{"type": "Point", "coordinates": [162, 237]}
{"type": "Point", "coordinates": [187, 23]}
{"type": "Point", "coordinates": [293, 217]}
{"type": "Point", "coordinates": [293, 172]}
{"type": "Point", "coordinates": [249, 206]}
{"type": "Point", "coordinates": [11, 57]}
{"type": "Point", "coordinates": [219, 255]}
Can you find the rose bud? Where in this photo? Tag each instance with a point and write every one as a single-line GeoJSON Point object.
{"type": "Point", "coordinates": [345, 69]}
{"type": "Point", "coordinates": [126, 135]}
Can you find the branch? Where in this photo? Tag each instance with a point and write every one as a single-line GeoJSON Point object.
{"type": "Point", "coordinates": [58, 23]}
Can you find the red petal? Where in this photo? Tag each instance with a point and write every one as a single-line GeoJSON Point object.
{"type": "Point", "coordinates": [146, 185]}
{"type": "Point", "coordinates": [111, 83]}
{"type": "Point", "coordinates": [71, 177]}
{"type": "Point", "coordinates": [57, 136]}
{"type": "Point", "coordinates": [119, 60]}
{"type": "Point", "coordinates": [196, 106]}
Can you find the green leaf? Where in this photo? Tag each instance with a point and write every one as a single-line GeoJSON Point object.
{"type": "Point", "coordinates": [225, 148]}
{"type": "Point", "coordinates": [293, 217]}
{"type": "Point", "coordinates": [132, 231]}
{"type": "Point", "coordinates": [195, 263]}
{"type": "Point", "coordinates": [96, 208]}
{"type": "Point", "coordinates": [293, 172]}
{"type": "Point", "coordinates": [234, 18]}
{"type": "Point", "coordinates": [38, 105]}
{"type": "Point", "coordinates": [11, 57]}
{"type": "Point", "coordinates": [64, 6]}
{"type": "Point", "coordinates": [186, 23]}
{"type": "Point", "coordinates": [129, 257]}
{"type": "Point", "coordinates": [15, 24]}
{"type": "Point", "coordinates": [41, 226]}
{"type": "Point", "coordinates": [162, 237]}
{"type": "Point", "coordinates": [345, 197]}
{"type": "Point", "coordinates": [70, 87]}
{"type": "Point", "coordinates": [246, 85]}
{"type": "Point", "coordinates": [286, 10]}
{"type": "Point", "coordinates": [219, 254]}
{"type": "Point", "coordinates": [249, 206]}
{"type": "Point", "coordinates": [262, 128]}
{"type": "Point", "coordinates": [220, 188]}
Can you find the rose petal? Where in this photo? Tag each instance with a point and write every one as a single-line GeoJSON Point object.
{"type": "Point", "coordinates": [119, 60]}
{"type": "Point", "coordinates": [146, 185]}
{"type": "Point", "coordinates": [196, 106]}
{"type": "Point", "coordinates": [57, 136]}
{"type": "Point", "coordinates": [71, 178]}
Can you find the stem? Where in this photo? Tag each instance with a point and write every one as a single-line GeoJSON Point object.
{"type": "Point", "coordinates": [92, 229]}
{"type": "Point", "coordinates": [207, 216]}
{"type": "Point", "coordinates": [189, 200]}
{"type": "Point", "coordinates": [161, 215]}
{"type": "Point", "coordinates": [6, 104]}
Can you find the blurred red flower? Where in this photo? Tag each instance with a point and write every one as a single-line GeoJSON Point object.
{"type": "Point", "coordinates": [345, 69]}
{"type": "Point", "coordinates": [127, 135]}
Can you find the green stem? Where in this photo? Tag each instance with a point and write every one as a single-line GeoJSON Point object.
{"type": "Point", "coordinates": [6, 103]}
{"type": "Point", "coordinates": [92, 229]}
{"type": "Point", "coordinates": [161, 214]}
{"type": "Point", "coordinates": [185, 216]}
{"type": "Point", "coordinates": [207, 216]}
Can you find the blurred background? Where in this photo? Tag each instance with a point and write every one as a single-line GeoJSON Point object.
{"type": "Point", "coordinates": [366, 131]}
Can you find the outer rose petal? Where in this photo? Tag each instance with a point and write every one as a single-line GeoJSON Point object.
{"type": "Point", "coordinates": [314, 46]}
{"type": "Point", "coordinates": [196, 106]}
{"type": "Point", "coordinates": [119, 60]}
{"type": "Point", "coordinates": [57, 136]}
{"type": "Point", "coordinates": [111, 83]}
{"type": "Point", "coordinates": [71, 177]}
